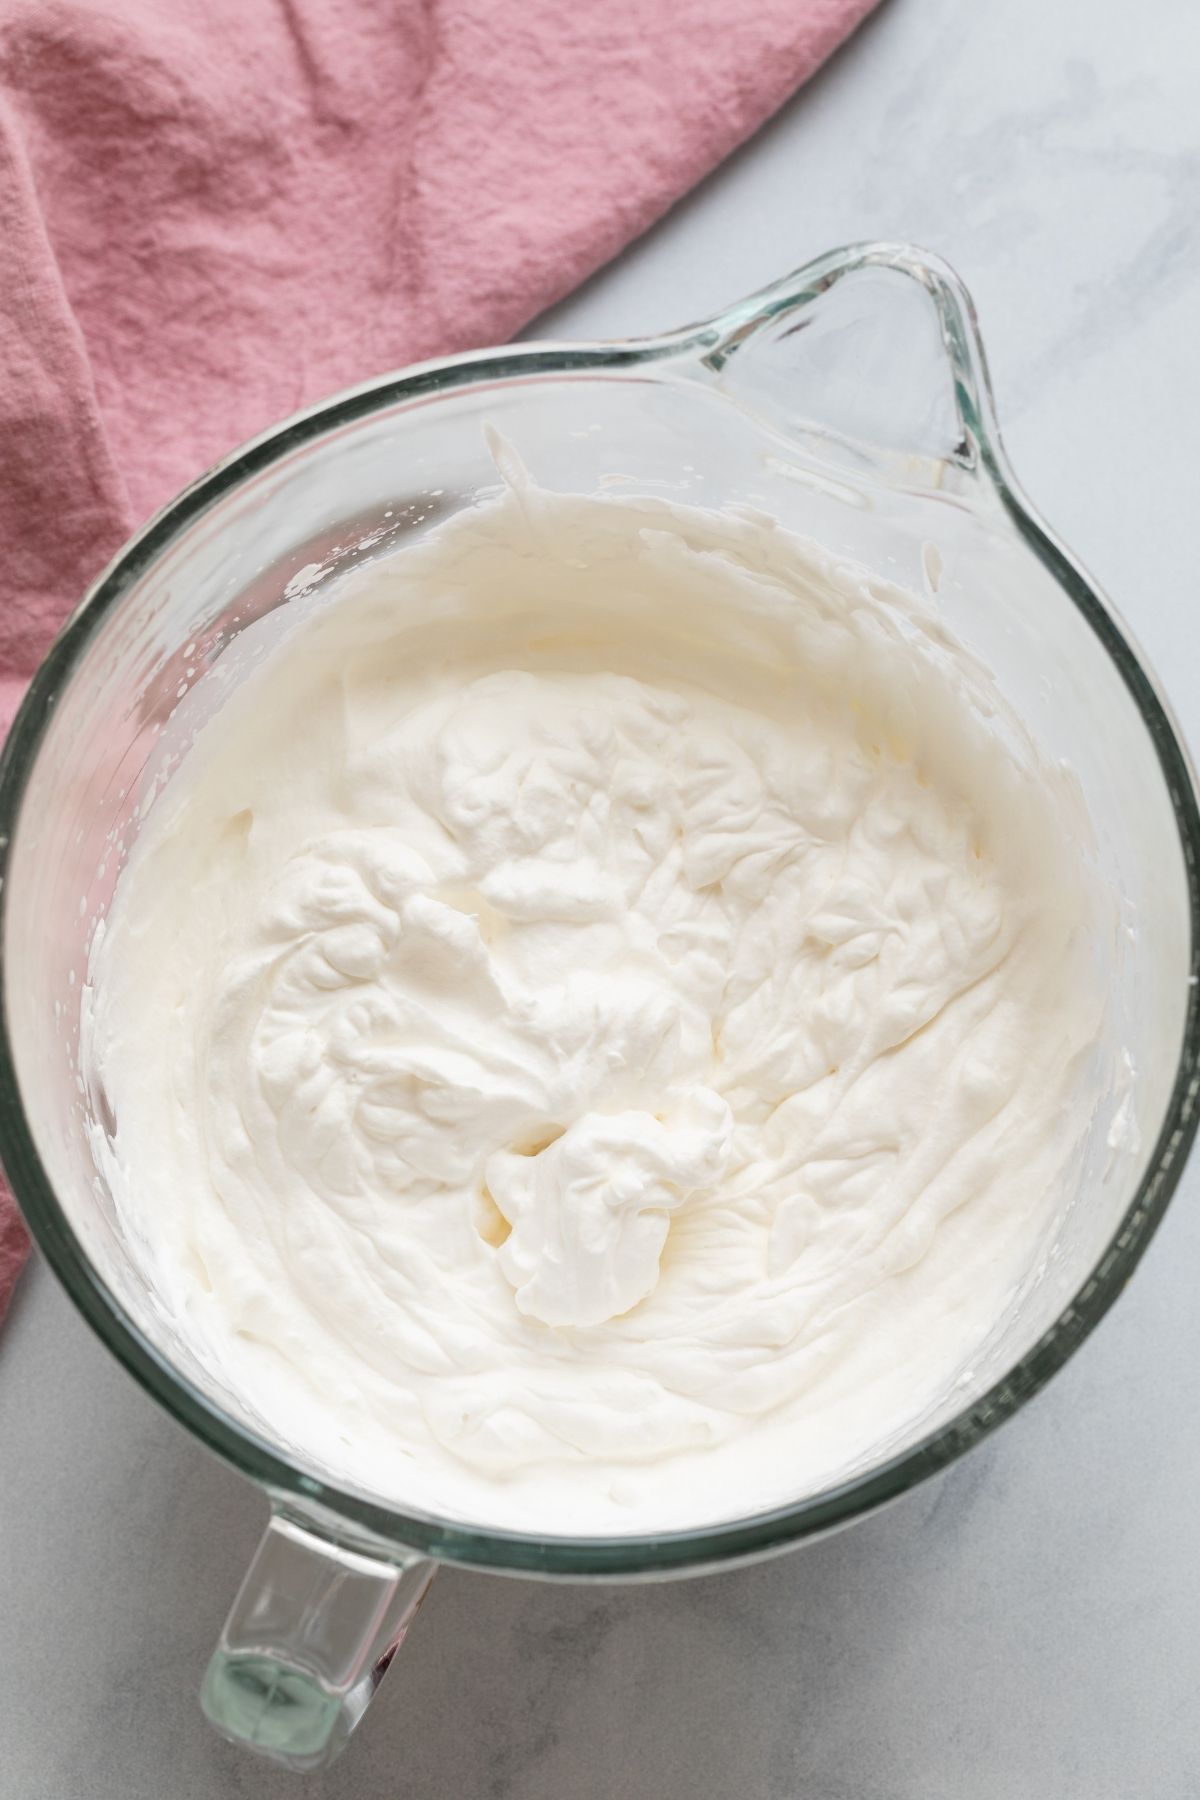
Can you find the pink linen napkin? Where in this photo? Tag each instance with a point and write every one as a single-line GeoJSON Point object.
{"type": "Point", "coordinates": [213, 215]}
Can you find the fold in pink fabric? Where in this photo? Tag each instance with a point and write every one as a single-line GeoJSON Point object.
{"type": "Point", "coordinates": [212, 215]}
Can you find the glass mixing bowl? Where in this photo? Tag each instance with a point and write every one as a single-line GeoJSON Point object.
{"type": "Point", "coordinates": [851, 401]}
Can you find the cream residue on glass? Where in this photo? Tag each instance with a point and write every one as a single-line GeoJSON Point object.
{"type": "Point", "coordinates": [597, 1024]}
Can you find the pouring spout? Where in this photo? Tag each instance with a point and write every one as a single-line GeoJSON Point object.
{"type": "Point", "coordinates": [873, 350]}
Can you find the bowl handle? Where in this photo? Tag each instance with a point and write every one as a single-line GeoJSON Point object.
{"type": "Point", "coordinates": [308, 1640]}
{"type": "Point", "coordinates": [873, 351]}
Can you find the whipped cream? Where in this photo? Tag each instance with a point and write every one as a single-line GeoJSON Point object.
{"type": "Point", "coordinates": [596, 1022]}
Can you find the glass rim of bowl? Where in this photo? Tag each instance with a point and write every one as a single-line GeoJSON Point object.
{"type": "Point", "coordinates": [305, 1489]}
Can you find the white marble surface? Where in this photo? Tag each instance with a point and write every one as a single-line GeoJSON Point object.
{"type": "Point", "coordinates": [1025, 1628]}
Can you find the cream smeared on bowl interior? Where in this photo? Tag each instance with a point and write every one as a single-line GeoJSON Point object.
{"type": "Point", "coordinates": [595, 1025]}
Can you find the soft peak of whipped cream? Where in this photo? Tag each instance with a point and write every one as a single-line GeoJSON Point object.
{"type": "Point", "coordinates": [590, 1212]}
